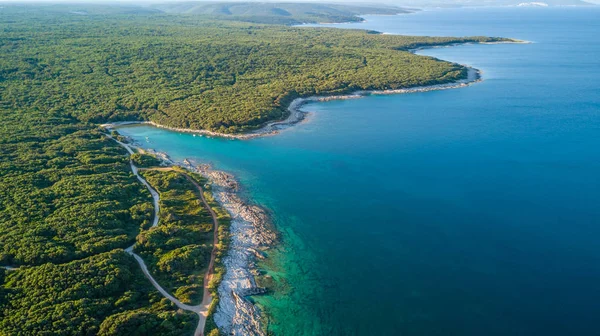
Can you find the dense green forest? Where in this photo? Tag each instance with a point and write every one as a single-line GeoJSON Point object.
{"type": "Point", "coordinates": [178, 250]}
{"type": "Point", "coordinates": [66, 192]}
{"type": "Point", "coordinates": [69, 203]}
{"type": "Point", "coordinates": [187, 71]}
{"type": "Point", "coordinates": [106, 294]}
{"type": "Point", "coordinates": [145, 160]}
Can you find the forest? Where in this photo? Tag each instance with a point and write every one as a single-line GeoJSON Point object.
{"type": "Point", "coordinates": [178, 250]}
{"type": "Point", "coordinates": [194, 72]}
{"type": "Point", "coordinates": [105, 294]}
{"type": "Point", "coordinates": [69, 203]}
{"type": "Point", "coordinates": [288, 13]}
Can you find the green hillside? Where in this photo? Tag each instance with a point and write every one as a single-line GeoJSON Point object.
{"type": "Point", "coordinates": [69, 203]}
{"type": "Point", "coordinates": [187, 71]}
{"type": "Point", "coordinates": [282, 13]}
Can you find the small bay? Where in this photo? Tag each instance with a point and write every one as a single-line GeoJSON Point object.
{"type": "Point", "coordinates": [471, 211]}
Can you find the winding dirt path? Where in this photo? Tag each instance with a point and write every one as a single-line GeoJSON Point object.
{"type": "Point", "coordinates": [206, 297]}
{"type": "Point", "coordinates": [202, 308]}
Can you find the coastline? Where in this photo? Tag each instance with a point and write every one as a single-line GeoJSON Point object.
{"type": "Point", "coordinates": [250, 235]}
{"type": "Point", "coordinates": [249, 229]}
{"type": "Point", "coordinates": [297, 114]}
{"type": "Point", "coordinates": [201, 309]}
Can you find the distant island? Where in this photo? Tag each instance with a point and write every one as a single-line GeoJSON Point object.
{"type": "Point", "coordinates": [78, 202]}
{"type": "Point", "coordinates": [483, 3]}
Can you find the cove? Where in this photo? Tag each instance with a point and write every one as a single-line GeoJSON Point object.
{"type": "Point", "coordinates": [460, 212]}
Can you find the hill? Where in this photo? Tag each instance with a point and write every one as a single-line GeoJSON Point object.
{"type": "Point", "coordinates": [193, 72]}
{"type": "Point", "coordinates": [282, 13]}
{"type": "Point", "coordinates": [69, 203]}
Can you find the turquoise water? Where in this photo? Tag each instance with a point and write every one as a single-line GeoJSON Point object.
{"type": "Point", "coordinates": [461, 212]}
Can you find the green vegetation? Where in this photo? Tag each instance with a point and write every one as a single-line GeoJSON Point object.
{"type": "Point", "coordinates": [145, 160]}
{"type": "Point", "coordinates": [279, 13]}
{"type": "Point", "coordinates": [66, 191]}
{"type": "Point", "coordinates": [178, 250]}
{"type": "Point", "coordinates": [69, 203]}
{"type": "Point", "coordinates": [105, 294]}
{"type": "Point", "coordinates": [187, 71]}
{"type": "Point", "coordinates": [222, 246]}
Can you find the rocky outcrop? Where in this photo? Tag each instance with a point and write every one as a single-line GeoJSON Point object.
{"type": "Point", "coordinates": [251, 233]}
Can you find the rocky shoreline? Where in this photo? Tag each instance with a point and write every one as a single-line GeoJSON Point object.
{"type": "Point", "coordinates": [251, 233]}
{"type": "Point", "coordinates": [250, 229]}
{"type": "Point", "coordinates": [297, 114]}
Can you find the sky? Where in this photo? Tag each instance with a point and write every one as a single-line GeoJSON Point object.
{"type": "Point", "coordinates": [394, 2]}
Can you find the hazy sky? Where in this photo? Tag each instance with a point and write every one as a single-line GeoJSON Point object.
{"type": "Point", "coordinates": [398, 2]}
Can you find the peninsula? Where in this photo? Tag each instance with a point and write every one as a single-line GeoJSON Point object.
{"type": "Point", "coordinates": [93, 245]}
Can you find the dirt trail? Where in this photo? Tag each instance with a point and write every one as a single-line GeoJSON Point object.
{"type": "Point", "coordinates": [206, 297]}
{"type": "Point", "coordinates": [202, 308]}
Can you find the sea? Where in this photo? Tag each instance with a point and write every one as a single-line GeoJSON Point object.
{"type": "Point", "coordinates": [472, 211]}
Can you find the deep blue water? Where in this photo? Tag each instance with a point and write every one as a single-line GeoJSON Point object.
{"type": "Point", "coordinates": [462, 212]}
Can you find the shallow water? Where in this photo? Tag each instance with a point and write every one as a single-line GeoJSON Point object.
{"type": "Point", "coordinates": [461, 212]}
